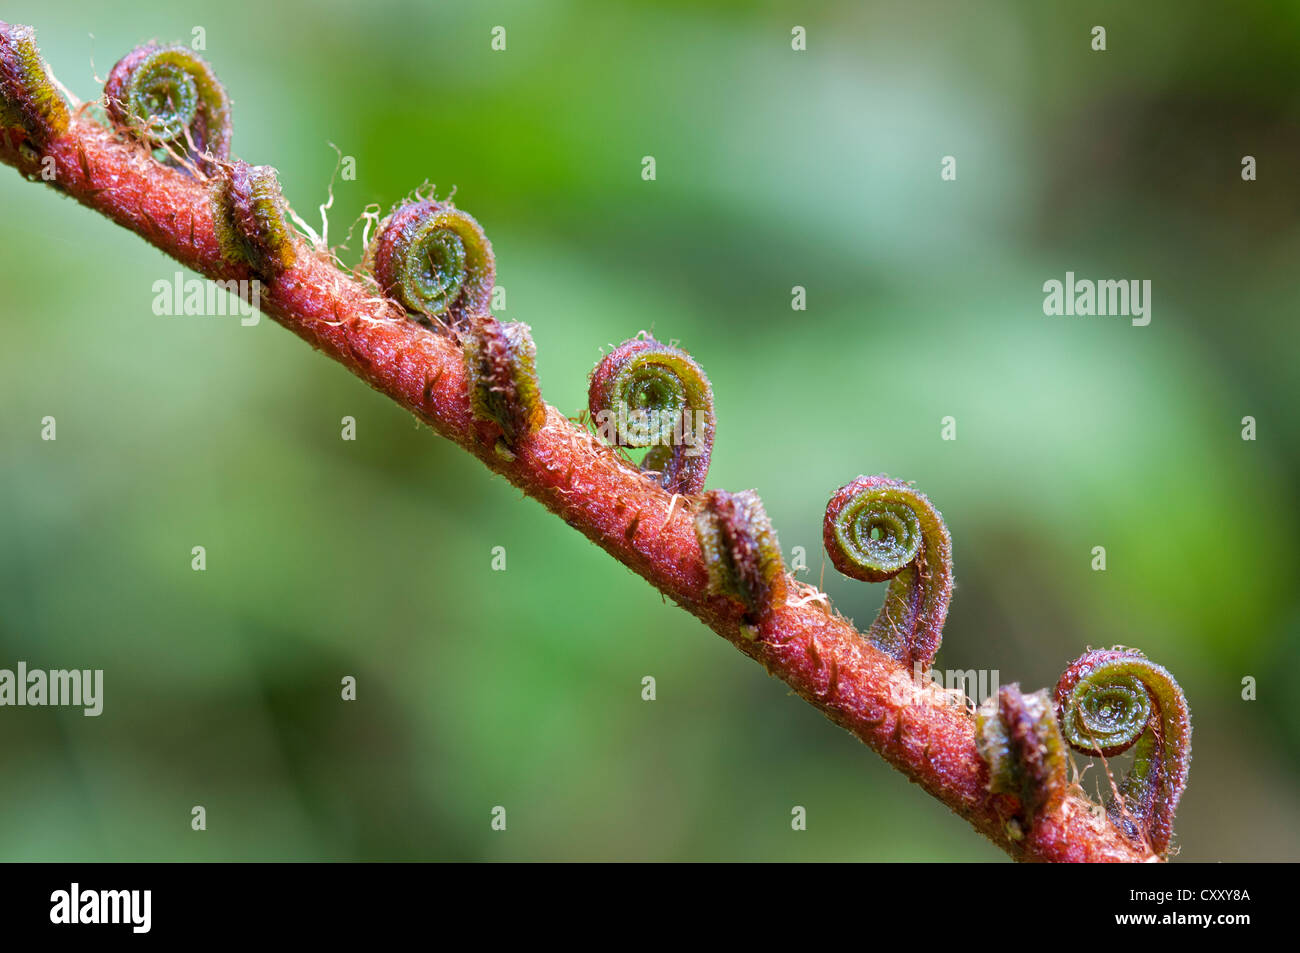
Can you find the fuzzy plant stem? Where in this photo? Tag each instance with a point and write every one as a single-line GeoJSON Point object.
{"type": "Point", "coordinates": [219, 218]}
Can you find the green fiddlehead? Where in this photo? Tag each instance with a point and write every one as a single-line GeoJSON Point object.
{"type": "Point", "coordinates": [170, 99]}
{"type": "Point", "coordinates": [501, 366]}
{"type": "Point", "coordinates": [878, 529]}
{"type": "Point", "coordinates": [249, 214]}
{"type": "Point", "coordinates": [1110, 700]}
{"type": "Point", "coordinates": [1018, 736]}
{"type": "Point", "coordinates": [647, 394]}
{"type": "Point", "coordinates": [741, 552]}
{"type": "Point", "coordinates": [435, 261]}
{"type": "Point", "coordinates": [27, 97]}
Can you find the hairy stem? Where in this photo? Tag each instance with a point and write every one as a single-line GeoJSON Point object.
{"type": "Point", "coordinates": [786, 626]}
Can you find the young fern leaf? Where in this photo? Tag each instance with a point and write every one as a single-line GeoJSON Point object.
{"type": "Point", "coordinates": [169, 98]}
{"type": "Point", "coordinates": [249, 215]}
{"type": "Point", "coordinates": [28, 100]}
{"type": "Point", "coordinates": [647, 394]}
{"type": "Point", "coordinates": [1110, 700]}
{"type": "Point", "coordinates": [740, 549]}
{"type": "Point", "coordinates": [878, 529]}
{"type": "Point", "coordinates": [1018, 736]}
{"type": "Point", "coordinates": [501, 365]}
{"type": "Point", "coordinates": [435, 261]}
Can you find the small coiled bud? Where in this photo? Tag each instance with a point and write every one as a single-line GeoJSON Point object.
{"type": "Point", "coordinates": [740, 549]}
{"type": "Point", "coordinates": [501, 365]}
{"type": "Point", "coordinates": [28, 99]}
{"type": "Point", "coordinates": [1110, 700]}
{"type": "Point", "coordinates": [249, 212]}
{"type": "Point", "coordinates": [1018, 736]}
{"type": "Point", "coordinates": [647, 394]}
{"type": "Point", "coordinates": [169, 98]}
{"type": "Point", "coordinates": [879, 529]}
{"type": "Point", "coordinates": [435, 261]}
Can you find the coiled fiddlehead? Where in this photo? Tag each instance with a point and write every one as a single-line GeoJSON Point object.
{"type": "Point", "coordinates": [879, 529]}
{"type": "Point", "coordinates": [250, 219]}
{"type": "Point", "coordinates": [169, 98]}
{"type": "Point", "coordinates": [435, 260]}
{"type": "Point", "coordinates": [27, 97]}
{"type": "Point", "coordinates": [1018, 736]}
{"type": "Point", "coordinates": [647, 394]}
{"type": "Point", "coordinates": [1110, 700]}
{"type": "Point", "coordinates": [501, 365]}
{"type": "Point", "coordinates": [741, 552]}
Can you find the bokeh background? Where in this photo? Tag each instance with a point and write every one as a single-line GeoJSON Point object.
{"type": "Point", "coordinates": [523, 688]}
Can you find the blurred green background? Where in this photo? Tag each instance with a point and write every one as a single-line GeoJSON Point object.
{"type": "Point", "coordinates": [522, 688]}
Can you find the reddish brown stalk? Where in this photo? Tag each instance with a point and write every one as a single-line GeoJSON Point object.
{"type": "Point", "coordinates": [625, 512]}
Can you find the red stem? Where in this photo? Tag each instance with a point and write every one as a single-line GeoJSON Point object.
{"type": "Point", "coordinates": [817, 652]}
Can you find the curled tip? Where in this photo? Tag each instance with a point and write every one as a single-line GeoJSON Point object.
{"type": "Point", "coordinates": [501, 364]}
{"type": "Point", "coordinates": [435, 260]}
{"type": "Point", "coordinates": [647, 394]}
{"type": "Point", "coordinates": [28, 99]}
{"type": "Point", "coordinates": [169, 98]}
{"type": "Point", "coordinates": [250, 219]}
{"type": "Point", "coordinates": [740, 549]}
{"type": "Point", "coordinates": [1111, 700]}
{"type": "Point", "coordinates": [879, 529]}
{"type": "Point", "coordinates": [1018, 736]}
